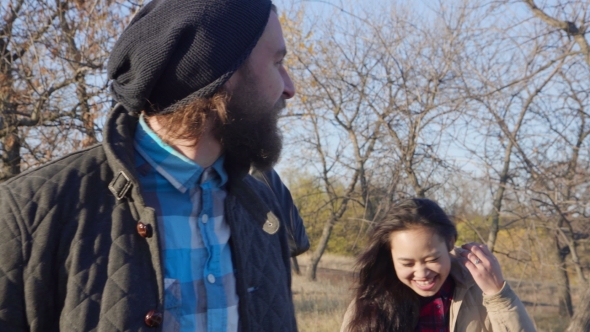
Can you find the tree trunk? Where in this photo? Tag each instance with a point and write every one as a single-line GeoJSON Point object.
{"type": "Point", "coordinates": [420, 191]}
{"type": "Point", "coordinates": [495, 225]}
{"type": "Point", "coordinates": [11, 157]}
{"type": "Point", "coordinates": [310, 273]}
{"type": "Point", "coordinates": [295, 266]}
{"type": "Point", "coordinates": [497, 208]}
{"type": "Point", "coordinates": [86, 115]}
{"type": "Point", "coordinates": [563, 283]}
{"type": "Point", "coordinates": [581, 319]}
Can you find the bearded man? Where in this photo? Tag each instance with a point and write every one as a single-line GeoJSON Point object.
{"type": "Point", "coordinates": [160, 227]}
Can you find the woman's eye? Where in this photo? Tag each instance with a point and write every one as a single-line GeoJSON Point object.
{"type": "Point", "coordinates": [407, 265]}
{"type": "Point", "coordinates": [433, 260]}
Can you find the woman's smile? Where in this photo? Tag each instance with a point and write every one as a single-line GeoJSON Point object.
{"type": "Point", "coordinates": [427, 284]}
{"type": "Point", "coordinates": [421, 259]}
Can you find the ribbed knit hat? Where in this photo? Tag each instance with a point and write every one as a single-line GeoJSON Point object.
{"type": "Point", "coordinates": [174, 51]}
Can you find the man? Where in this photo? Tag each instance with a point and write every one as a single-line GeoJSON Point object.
{"type": "Point", "coordinates": [160, 227]}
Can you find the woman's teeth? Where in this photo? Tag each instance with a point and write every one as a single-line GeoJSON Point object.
{"type": "Point", "coordinates": [424, 282]}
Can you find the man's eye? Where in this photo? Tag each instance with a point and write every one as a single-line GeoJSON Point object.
{"type": "Point", "coordinates": [407, 265]}
{"type": "Point", "coordinates": [432, 260]}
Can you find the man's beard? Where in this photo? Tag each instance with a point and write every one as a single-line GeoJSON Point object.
{"type": "Point", "coordinates": [251, 136]}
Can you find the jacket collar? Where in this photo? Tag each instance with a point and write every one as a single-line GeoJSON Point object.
{"type": "Point", "coordinates": [119, 131]}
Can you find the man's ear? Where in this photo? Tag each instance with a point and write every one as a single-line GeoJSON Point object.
{"type": "Point", "coordinates": [232, 82]}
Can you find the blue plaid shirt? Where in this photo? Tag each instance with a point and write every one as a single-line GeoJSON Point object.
{"type": "Point", "coordinates": [200, 291]}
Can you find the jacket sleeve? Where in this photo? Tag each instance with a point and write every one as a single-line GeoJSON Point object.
{"type": "Point", "coordinates": [506, 312]}
{"type": "Point", "coordinates": [12, 264]}
{"type": "Point", "coordinates": [298, 240]}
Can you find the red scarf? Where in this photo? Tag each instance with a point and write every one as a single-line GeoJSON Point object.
{"type": "Point", "coordinates": [434, 310]}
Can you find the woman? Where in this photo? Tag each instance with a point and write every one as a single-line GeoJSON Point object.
{"type": "Point", "coordinates": [412, 278]}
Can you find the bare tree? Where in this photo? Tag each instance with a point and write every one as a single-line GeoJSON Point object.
{"type": "Point", "coordinates": [558, 185]}
{"type": "Point", "coordinates": [52, 83]}
{"type": "Point", "coordinates": [553, 170]}
{"type": "Point", "coordinates": [569, 17]}
{"type": "Point", "coordinates": [581, 320]}
{"type": "Point", "coordinates": [375, 95]}
{"type": "Point", "coordinates": [416, 98]}
{"type": "Point", "coordinates": [339, 133]}
{"type": "Point", "coordinates": [508, 85]}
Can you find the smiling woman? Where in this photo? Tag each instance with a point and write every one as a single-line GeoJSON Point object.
{"type": "Point", "coordinates": [421, 259]}
{"type": "Point", "coordinates": [412, 278]}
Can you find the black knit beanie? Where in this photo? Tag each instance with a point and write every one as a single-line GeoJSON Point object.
{"type": "Point", "coordinates": [174, 51]}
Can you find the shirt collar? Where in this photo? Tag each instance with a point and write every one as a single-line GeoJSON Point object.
{"type": "Point", "coordinates": [180, 171]}
{"type": "Point", "coordinates": [220, 170]}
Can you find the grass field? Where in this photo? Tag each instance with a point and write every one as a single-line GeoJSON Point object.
{"type": "Point", "coordinates": [320, 305]}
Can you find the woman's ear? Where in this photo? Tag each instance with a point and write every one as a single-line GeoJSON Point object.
{"type": "Point", "coordinates": [451, 244]}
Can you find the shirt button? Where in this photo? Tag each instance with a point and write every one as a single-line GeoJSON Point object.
{"type": "Point", "coordinates": [205, 218]}
{"type": "Point", "coordinates": [211, 278]}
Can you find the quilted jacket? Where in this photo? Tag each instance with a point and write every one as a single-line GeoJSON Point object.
{"type": "Point", "coordinates": [71, 258]}
{"type": "Point", "coordinates": [298, 240]}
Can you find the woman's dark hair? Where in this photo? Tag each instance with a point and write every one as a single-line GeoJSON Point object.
{"type": "Point", "coordinates": [382, 302]}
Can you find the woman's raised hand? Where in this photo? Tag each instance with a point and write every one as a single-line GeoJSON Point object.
{"type": "Point", "coordinates": [483, 266]}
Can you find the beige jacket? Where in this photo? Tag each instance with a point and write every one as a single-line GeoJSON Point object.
{"type": "Point", "coordinates": [471, 311]}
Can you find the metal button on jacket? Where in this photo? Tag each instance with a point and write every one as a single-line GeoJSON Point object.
{"type": "Point", "coordinates": [145, 230]}
{"type": "Point", "coordinates": [153, 318]}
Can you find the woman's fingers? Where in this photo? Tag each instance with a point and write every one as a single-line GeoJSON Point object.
{"type": "Point", "coordinates": [483, 266]}
{"type": "Point", "coordinates": [477, 257]}
{"type": "Point", "coordinates": [478, 248]}
{"type": "Point", "coordinates": [471, 257]}
{"type": "Point", "coordinates": [486, 250]}
{"type": "Point", "coordinates": [480, 257]}
{"type": "Point", "coordinates": [481, 251]}
{"type": "Point", "coordinates": [469, 265]}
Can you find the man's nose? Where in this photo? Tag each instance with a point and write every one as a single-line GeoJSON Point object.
{"type": "Point", "coordinates": [289, 87]}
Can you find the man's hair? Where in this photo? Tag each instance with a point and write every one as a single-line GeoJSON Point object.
{"type": "Point", "coordinates": [188, 122]}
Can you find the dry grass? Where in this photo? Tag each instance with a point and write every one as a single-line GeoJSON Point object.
{"type": "Point", "coordinates": [320, 305]}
